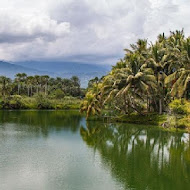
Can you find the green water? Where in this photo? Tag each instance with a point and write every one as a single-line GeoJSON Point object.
{"type": "Point", "coordinates": [59, 150]}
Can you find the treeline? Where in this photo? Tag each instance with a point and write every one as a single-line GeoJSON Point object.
{"type": "Point", "coordinates": [40, 92]}
{"type": "Point", "coordinates": [146, 80]}
{"type": "Point", "coordinates": [30, 85]}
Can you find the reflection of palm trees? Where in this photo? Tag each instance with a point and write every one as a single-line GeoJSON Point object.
{"type": "Point", "coordinates": [141, 158]}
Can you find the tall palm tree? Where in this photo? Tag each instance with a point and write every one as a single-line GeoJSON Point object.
{"type": "Point", "coordinates": [132, 81]}
{"type": "Point", "coordinates": [29, 82]}
{"type": "Point", "coordinates": [20, 80]}
{"type": "Point", "coordinates": [180, 78]}
{"type": "Point", "coordinates": [5, 85]}
{"type": "Point", "coordinates": [45, 80]}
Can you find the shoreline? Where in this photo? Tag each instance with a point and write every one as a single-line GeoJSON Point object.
{"type": "Point", "coordinates": [165, 122]}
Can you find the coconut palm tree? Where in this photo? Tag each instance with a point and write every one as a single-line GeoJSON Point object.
{"type": "Point", "coordinates": [131, 82]}
{"type": "Point", "coordinates": [92, 103]}
{"type": "Point", "coordinates": [180, 78]}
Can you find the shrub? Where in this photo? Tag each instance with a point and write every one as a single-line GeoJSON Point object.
{"type": "Point", "coordinates": [13, 102]}
{"type": "Point", "coordinates": [43, 102]}
{"type": "Point", "coordinates": [184, 122]}
{"type": "Point", "coordinates": [180, 106]}
{"type": "Point", "coordinates": [58, 94]}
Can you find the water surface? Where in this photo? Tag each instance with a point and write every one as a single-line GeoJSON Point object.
{"type": "Point", "coordinates": [59, 150]}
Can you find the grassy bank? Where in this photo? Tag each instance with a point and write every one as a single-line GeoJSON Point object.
{"type": "Point", "coordinates": [167, 121]}
{"type": "Point", "coordinates": [39, 102]}
{"type": "Point", "coordinates": [177, 116]}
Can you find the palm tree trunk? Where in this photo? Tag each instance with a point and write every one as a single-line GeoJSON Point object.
{"type": "Point", "coordinates": [28, 91]}
{"type": "Point", "coordinates": [18, 89]}
{"type": "Point", "coordinates": [125, 104]}
{"type": "Point", "coordinates": [160, 106]}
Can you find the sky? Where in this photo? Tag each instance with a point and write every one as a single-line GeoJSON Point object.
{"type": "Point", "coordinates": [89, 31]}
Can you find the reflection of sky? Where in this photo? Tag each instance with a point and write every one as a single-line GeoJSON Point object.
{"type": "Point", "coordinates": [61, 161]}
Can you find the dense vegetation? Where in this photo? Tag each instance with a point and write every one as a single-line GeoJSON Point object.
{"type": "Point", "coordinates": [146, 80]}
{"type": "Point", "coordinates": [40, 92]}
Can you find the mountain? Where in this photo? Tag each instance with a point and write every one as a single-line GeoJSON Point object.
{"type": "Point", "coordinates": [9, 70]}
{"type": "Point", "coordinates": [62, 69]}
{"type": "Point", "coordinates": [67, 69]}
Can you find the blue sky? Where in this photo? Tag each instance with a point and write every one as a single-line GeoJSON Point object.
{"type": "Point", "coordinates": [92, 31]}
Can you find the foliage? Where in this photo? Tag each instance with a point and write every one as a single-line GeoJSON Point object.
{"type": "Point", "coordinates": [180, 106]}
{"type": "Point", "coordinates": [39, 102]}
{"type": "Point", "coordinates": [145, 80]}
{"type": "Point", "coordinates": [58, 94]}
{"type": "Point", "coordinates": [40, 92]}
{"type": "Point", "coordinates": [30, 85]}
{"type": "Point", "coordinates": [43, 102]}
{"type": "Point", "coordinates": [184, 122]}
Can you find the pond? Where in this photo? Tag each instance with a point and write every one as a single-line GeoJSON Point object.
{"type": "Point", "coordinates": [59, 150]}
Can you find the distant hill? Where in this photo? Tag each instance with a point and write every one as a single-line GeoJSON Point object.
{"type": "Point", "coordinates": [63, 69]}
{"type": "Point", "coordinates": [9, 70]}
{"type": "Point", "coordinates": [67, 69]}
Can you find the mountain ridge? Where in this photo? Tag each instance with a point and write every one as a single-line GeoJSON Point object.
{"type": "Point", "coordinates": [84, 71]}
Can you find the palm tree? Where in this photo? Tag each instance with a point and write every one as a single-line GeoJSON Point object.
{"type": "Point", "coordinates": [45, 80]}
{"type": "Point", "coordinates": [5, 85]}
{"type": "Point", "coordinates": [29, 82]}
{"type": "Point", "coordinates": [130, 82]}
{"type": "Point", "coordinates": [180, 78]}
{"type": "Point", "coordinates": [20, 80]}
{"type": "Point", "coordinates": [37, 80]}
{"type": "Point", "coordinates": [92, 103]}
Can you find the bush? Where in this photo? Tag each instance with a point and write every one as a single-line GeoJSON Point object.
{"type": "Point", "coordinates": [13, 102]}
{"type": "Point", "coordinates": [58, 94]}
{"type": "Point", "coordinates": [184, 123]}
{"type": "Point", "coordinates": [39, 101]}
{"type": "Point", "coordinates": [180, 106]}
{"type": "Point", "coordinates": [43, 102]}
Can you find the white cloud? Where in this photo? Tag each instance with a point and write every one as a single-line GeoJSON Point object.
{"type": "Point", "coordinates": [15, 27]}
{"type": "Point", "coordinates": [85, 30]}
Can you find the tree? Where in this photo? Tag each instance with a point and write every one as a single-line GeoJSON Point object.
{"type": "Point", "coordinates": [147, 78]}
{"type": "Point", "coordinates": [20, 80]}
{"type": "Point", "coordinates": [5, 85]}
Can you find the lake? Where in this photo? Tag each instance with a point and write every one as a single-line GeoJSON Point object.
{"type": "Point", "coordinates": [59, 150]}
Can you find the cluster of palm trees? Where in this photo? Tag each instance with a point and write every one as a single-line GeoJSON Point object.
{"type": "Point", "coordinates": [30, 85]}
{"type": "Point", "coordinates": [148, 77]}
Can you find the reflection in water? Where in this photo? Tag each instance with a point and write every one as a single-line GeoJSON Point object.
{"type": "Point", "coordinates": [45, 150]}
{"type": "Point", "coordinates": [41, 122]}
{"type": "Point", "coordinates": [140, 157]}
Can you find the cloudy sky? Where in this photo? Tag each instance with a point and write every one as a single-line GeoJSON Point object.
{"type": "Point", "coordinates": [93, 31]}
